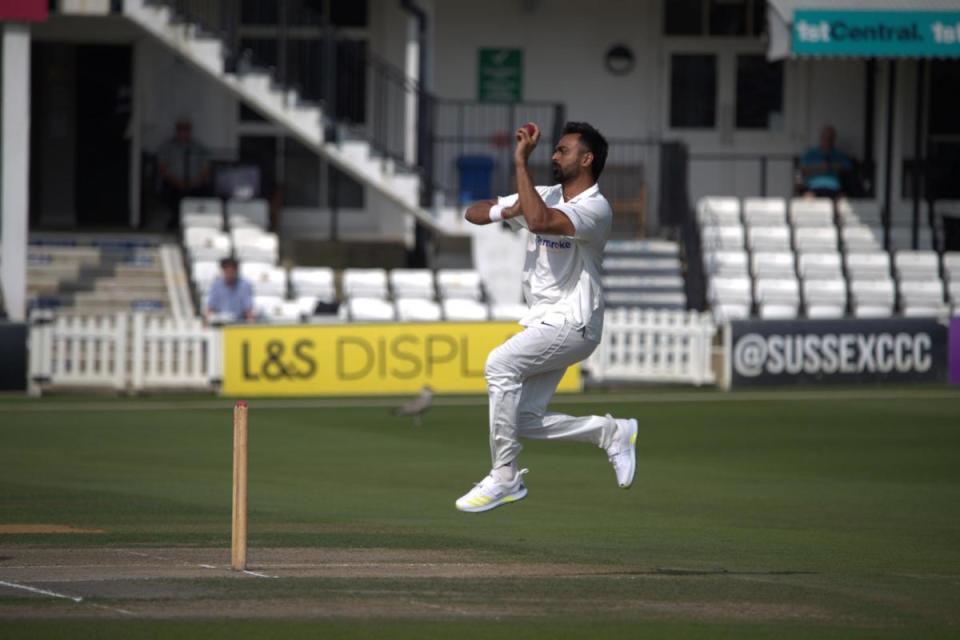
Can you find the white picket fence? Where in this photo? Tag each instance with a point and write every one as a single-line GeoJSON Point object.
{"type": "Point", "coordinates": [123, 352]}
{"type": "Point", "coordinates": [641, 345]}
{"type": "Point", "coordinates": [144, 351]}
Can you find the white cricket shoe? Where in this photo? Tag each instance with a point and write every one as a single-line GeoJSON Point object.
{"type": "Point", "coordinates": [623, 452]}
{"type": "Point", "coordinates": [490, 493]}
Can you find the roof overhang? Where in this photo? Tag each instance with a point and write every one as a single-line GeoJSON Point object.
{"type": "Point", "coordinates": [863, 29]}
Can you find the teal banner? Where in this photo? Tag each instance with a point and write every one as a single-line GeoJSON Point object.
{"type": "Point", "coordinates": [884, 34]}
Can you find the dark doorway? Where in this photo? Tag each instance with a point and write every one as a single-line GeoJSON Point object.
{"type": "Point", "coordinates": [80, 151]}
{"type": "Point", "coordinates": [103, 149]}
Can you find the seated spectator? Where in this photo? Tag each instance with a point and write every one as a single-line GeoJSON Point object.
{"type": "Point", "coordinates": [231, 297]}
{"type": "Point", "coordinates": [184, 168]}
{"type": "Point", "coordinates": [823, 167]}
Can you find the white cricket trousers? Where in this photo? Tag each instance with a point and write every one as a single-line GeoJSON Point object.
{"type": "Point", "coordinates": [522, 376]}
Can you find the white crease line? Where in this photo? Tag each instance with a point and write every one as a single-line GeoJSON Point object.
{"type": "Point", "coordinates": [44, 592]}
{"type": "Point", "coordinates": [208, 566]}
{"type": "Point", "coordinates": [258, 574]}
{"type": "Point", "coordinates": [117, 609]}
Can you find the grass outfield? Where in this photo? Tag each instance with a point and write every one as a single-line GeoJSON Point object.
{"type": "Point", "coordinates": [755, 515]}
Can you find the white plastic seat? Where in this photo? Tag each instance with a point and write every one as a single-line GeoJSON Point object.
{"type": "Point", "coordinates": [417, 310]}
{"type": "Point", "coordinates": [764, 212]}
{"type": "Point", "coordinates": [820, 266]}
{"type": "Point", "coordinates": [769, 238]}
{"type": "Point", "coordinates": [953, 293]}
{"type": "Point", "coordinates": [268, 306]}
{"type": "Point", "coordinates": [815, 239]}
{"type": "Point", "coordinates": [868, 266]}
{"type": "Point", "coordinates": [921, 297]}
{"type": "Point", "coordinates": [204, 243]}
{"type": "Point", "coordinates": [731, 262]}
{"type": "Point", "coordinates": [859, 212]}
{"type": "Point", "coordinates": [370, 310]}
{"type": "Point", "coordinates": [901, 238]}
{"type": "Point", "coordinates": [718, 211]}
{"type": "Point", "coordinates": [464, 309]}
{"type": "Point", "coordinates": [508, 312]}
{"type": "Point", "coordinates": [731, 297]}
{"type": "Point", "coordinates": [951, 266]}
{"type": "Point", "coordinates": [412, 283]}
{"type": "Point", "coordinates": [858, 239]}
{"type": "Point", "coordinates": [266, 279]}
{"type": "Point", "coordinates": [916, 265]}
{"type": "Point", "coordinates": [459, 284]}
{"type": "Point", "coordinates": [253, 245]}
{"type": "Point", "coordinates": [872, 298]}
{"type": "Point", "coordinates": [248, 213]}
{"type": "Point", "coordinates": [725, 312]}
{"type": "Point", "coordinates": [811, 212]}
{"type": "Point", "coordinates": [717, 238]}
{"type": "Point", "coordinates": [365, 283]}
{"type": "Point", "coordinates": [204, 272]}
{"type": "Point", "coordinates": [279, 311]}
{"type": "Point", "coordinates": [773, 264]}
{"type": "Point", "coordinates": [201, 205]}
{"type": "Point", "coordinates": [825, 298]}
{"type": "Point", "coordinates": [204, 220]}
{"type": "Point", "coordinates": [313, 281]}
{"type": "Point", "coordinates": [777, 297]}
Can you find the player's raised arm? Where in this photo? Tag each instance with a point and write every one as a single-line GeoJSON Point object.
{"type": "Point", "coordinates": [539, 217]}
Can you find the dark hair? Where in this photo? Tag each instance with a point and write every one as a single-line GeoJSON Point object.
{"type": "Point", "coordinates": [594, 141]}
{"type": "Point", "coordinates": [228, 262]}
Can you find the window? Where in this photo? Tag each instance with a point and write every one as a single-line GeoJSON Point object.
{"type": "Point", "coordinates": [759, 93]}
{"type": "Point", "coordinates": [724, 18]}
{"type": "Point", "coordinates": [693, 91]}
{"type": "Point", "coordinates": [944, 98]}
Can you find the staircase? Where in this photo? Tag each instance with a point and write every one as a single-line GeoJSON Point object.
{"type": "Point", "coordinates": [376, 155]}
{"type": "Point", "coordinates": [643, 273]}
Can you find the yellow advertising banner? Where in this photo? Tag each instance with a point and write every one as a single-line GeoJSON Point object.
{"type": "Point", "coordinates": [358, 359]}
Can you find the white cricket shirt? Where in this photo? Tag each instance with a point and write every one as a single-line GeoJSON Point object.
{"type": "Point", "coordinates": [561, 274]}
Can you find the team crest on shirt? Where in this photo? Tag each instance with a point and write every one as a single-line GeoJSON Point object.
{"type": "Point", "coordinates": [556, 245]}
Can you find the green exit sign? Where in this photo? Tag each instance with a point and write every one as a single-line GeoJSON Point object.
{"type": "Point", "coordinates": [500, 75]}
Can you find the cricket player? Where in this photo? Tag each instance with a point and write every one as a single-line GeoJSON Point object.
{"type": "Point", "coordinates": [569, 224]}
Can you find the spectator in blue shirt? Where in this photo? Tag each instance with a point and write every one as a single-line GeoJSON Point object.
{"type": "Point", "coordinates": [231, 297]}
{"type": "Point", "coordinates": [823, 167]}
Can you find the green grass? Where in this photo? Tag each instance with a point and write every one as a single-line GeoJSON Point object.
{"type": "Point", "coordinates": [850, 508]}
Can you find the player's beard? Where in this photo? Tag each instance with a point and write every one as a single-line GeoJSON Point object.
{"type": "Point", "coordinates": [558, 175]}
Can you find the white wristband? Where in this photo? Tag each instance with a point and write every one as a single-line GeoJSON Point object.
{"type": "Point", "coordinates": [496, 213]}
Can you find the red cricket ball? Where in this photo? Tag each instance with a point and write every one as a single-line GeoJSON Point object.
{"type": "Point", "coordinates": [531, 128]}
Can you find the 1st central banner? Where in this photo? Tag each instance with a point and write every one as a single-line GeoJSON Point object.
{"type": "Point", "coordinates": [356, 359]}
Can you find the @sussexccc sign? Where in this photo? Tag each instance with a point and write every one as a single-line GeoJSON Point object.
{"type": "Point", "coordinates": [823, 351]}
{"type": "Point", "coordinates": [876, 33]}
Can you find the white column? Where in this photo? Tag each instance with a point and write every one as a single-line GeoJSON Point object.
{"type": "Point", "coordinates": [14, 185]}
{"type": "Point", "coordinates": [412, 69]}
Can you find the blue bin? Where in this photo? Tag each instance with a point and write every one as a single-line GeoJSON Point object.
{"type": "Point", "coordinates": [476, 174]}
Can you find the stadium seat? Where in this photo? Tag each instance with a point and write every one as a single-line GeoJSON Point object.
{"type": "Point", "coordinates": [825, 298]}
{"type": "Point", "coordinates": [922, 298]}
{"type": "Point", "coordinates": [201, 205]}
{"type": "Point", "coordinates": [361, 309]}
{"type": "Point", "coordinates": [253, 245]}
{"type": "Point", "coordinates": [872, 298]}
{"type": "Point", "coordinates": [773, 264]}
{"type": "Point", "coordinates": [820, 266]}
{"type": "Point", "coordinates": [717, 238]}
{"type": "Point", "coordinates": [203, 220]}
{"type": "Point", "coordinates": [953, 296]}
{"type": "Point", "coordinates": [951, 266]}
{"type": "Point", "coordinates": [815, 239]}
{"type": "Point", "coordinates": [267, 306]}
{"type": "Point", "coordinates": [916, 265]}
{"type": "Point", "coordinates": [266, 280]}
{"type": "Point", "coordinates": [811, 212]}
{"type": "Point", "coordinates": [464, 309]}
{"type": "Point", "coordinates": [248, 213]}
{"type": "Point", "coordinates": [777, 298]}
{"type": "Point", "coordinates": [868, 266]}
{"type": "Point", "coordinates": [417, 310]}
{"type": "Point", "coordinates": [412, 283]}
{"type": "Point", "coordinates": [861, 239]}
{"type": "Point", "coordinates": [857, 212]}
{"type": "Point", "coordinates": [365, 283]}
{"type": "Point", "coordinates": [718, 212]}
{"type": "Point", "coordinates": [508, 312]}
{"type": "Point", "coordinates": [204, 273]}
{"type": "Point", "coordinates": [768, 238]}
{"type": "Point", "coordinates": [731, 262]}
{"type": "Point", "coordinates": [313, 281]}
{"type": "Point", "coordinates": [205, 243]}
{"type": "Point", "coordinates": [764, 212]}
{"type": "Point", "coordinates": [459, 284]}
{"type": "Point", "coordinates": [730, 297]}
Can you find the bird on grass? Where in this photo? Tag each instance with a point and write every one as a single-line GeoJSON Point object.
{"type": "Point", "coordinates": [418, 406]}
